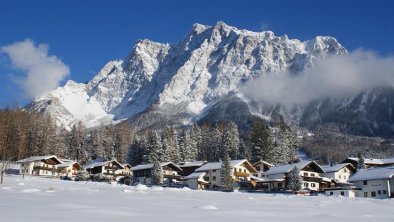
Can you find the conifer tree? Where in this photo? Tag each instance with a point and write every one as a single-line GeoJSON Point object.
{"type": "Point", "coordinates": [295, 179]}
{"type": "Point", "coordinates": [155, 147]}
{"type": "Point", "coordinates": [361, 162]}
{"type": "Point", "coordinates": [261, 141]}
{"type": "Point", "coordinates": [226, 178]}
{"type": "Point", "coordinates": [157, 173]}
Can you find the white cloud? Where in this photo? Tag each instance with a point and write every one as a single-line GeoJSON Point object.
{"type": "Point", "coordinates": [336, 77]}
{"type": "Point", "coordinates": [42, 72]}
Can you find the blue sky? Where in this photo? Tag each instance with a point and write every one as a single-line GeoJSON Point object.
{"type": "Point", "coordinates": [87, 34]}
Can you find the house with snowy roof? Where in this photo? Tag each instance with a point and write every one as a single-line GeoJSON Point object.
{"type": "Point", "coordinates": [277, 176]}
{"type": "Point", "coordinates": [340, 172]}
{"type": "Point", "coordinates": [241, 170]}
{"type": "Point", "coordinates": [262, 166]}
{"type": "Point", "coordinates": [143, 173]}
{"type": "Point", "coordinates": [196, 181]}
{"type": "Point", "coordinates": [189, 167]}
{"type": "Point", "coordinates": [39, 165]}
{"type": "Point", "coordinates": [106, 167]}
{"type": "Point", "coordinates": [125, 171]}
{"type": "Point", "coordinates": [68, 168]}
{"type": "Point", "coordinates": [370, 162]}
{"type": "Point", "coordinates": [374, 182]}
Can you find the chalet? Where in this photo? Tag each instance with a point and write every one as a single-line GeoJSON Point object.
{"type": "Point", "coordinates": [39, 165]}
{"type": "Point", "coordinates": [261, 167]}
{"type": "Point", "coordinates": [339, 172]}
{"type": "Point", "coordinates": [196, 181]}
{"type": "Point", "coordinates": [374, 182]}
{"type": "Point", "coordinates": [126, 171]}
{"type": "Point", "coordinates": [143, 173]}
{"type": "Point", "coordinates": [369, 162]}
{"type": "Point", "coordinates": [241, 172]}
{"type": "Point", "coordinates": [276, 177]}
{"type": "Point", "coordinates": [189, 167]}
{"type": "Point", "coordinates": [68, 168]}
{"type": "Point", "coordinates": [106, 167]}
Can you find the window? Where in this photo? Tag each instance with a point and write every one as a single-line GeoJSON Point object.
{"type": "Point", "coordinates": [313, 185]}
{"type": "Point", "coordinates": [373, 194]}
{"type": "Point", "coordinates": [244, 170]}
{"type": "Point", "coordinates": [344, 177]}
{"type": "Point", "coordinates": [306, 184]}
{"type": "Point", "coordinates": [279, 184]}
{"type": "Point", "coordinates": [258, 168]}
{"type": "Point", "coordinates": [214, 178]}
{"type": "Point", "coordinates": [384, 192]}
{"type": "Point", "coordinates": [206, 178]}
{"type": "Point", "coordinates": [365, 182]}
{"type": "Point", "coordinates": [213, 170]}
{"type": "Point", "coordinates": [312, 174]}
{"type": "Point", "coordinates": [342, 193]}
{"type": "Point", "coordinates": [340, 177]}
{"type": "Point", "coordinates": [365, 194]}
{"type": "Point", "coordinates": [379, 192]}
{"type": "Point", "coordinates": [306, 174]}
{"type": "Point", "coordinates": [331, 193]}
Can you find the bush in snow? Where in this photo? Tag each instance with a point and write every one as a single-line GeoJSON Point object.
{"type": "Point", "coordinates": [82, 176]}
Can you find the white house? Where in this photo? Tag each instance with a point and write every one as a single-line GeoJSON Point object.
{"type": "Point", "coordinates": [241, 172]}
{"type": "Point", "coordinates": [68, 168]}
{"type": "Point", "coordinates": [106, 167]}
{"type": "Point", "coordinates": [309, 170]}
{"type": "Point", "coordinates": [345, 192]}
{"type": "Point", "coordinates": [125, 171]}
{"type": "Point", "coordinates": [196, 181]}
{"type": "Point", "coordinates": [39, 165]}
{"type": "Point", "coordinates": [143, 173]}
{"type": "Point", "coordinates": [340, 172]}
{"type": "Point", "coordinates": [374, 182]}
{"type": "Point", "coordinates": [261, 167]}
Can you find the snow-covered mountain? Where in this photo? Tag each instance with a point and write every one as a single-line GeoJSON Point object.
{"type": "Point", "coordinates": [182, 82]}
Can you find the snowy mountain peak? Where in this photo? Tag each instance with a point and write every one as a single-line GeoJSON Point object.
{"type": "Point", "coordinates": [186, 78]}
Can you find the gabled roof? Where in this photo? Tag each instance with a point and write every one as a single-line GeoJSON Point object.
{"type": "Point", "coordinates": [288, 167]}
{"type": "Point", "coordinates": [233, 163]}
{"type": "Point", "coordinates": [337, 167]}
{"type": "Point", "coordinates": [195, 175]}
{"type": "Point", "coordinates": [263, 162]}
{"type": "Point", "coordinates": [39, 158]}
{"type": "Point", "coordinates": [150, 166]}
{"type": "Point", "coordinates": [102, 163]}
{"type": "Point", "coordinates": [373, 174]}
{"type": "Point", "coordinates": [126, 165]}
{"type": "Point", "coordinates": [191, 164]}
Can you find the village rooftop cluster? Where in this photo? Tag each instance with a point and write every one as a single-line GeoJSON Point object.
{"type": "Point", "coordinates": [374, 179]}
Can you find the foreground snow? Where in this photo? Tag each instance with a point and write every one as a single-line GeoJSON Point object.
{"type": "Point", "coordinates": [41, 199]}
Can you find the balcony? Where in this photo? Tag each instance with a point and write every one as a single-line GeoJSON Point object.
{"type": "Point", "coordinates": [241, 174]}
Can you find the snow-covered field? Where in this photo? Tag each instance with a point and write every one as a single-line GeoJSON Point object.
{"type": "Point", "coordinates": [40, 199]}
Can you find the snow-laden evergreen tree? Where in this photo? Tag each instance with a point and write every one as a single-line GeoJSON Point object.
{"type": "Point", "coordinates": [361, 161]}
{"type": "Point", "coordinates": [171, 149]}
{"type": "Point", "coordinates": [205, 143]}
{"type": "Point", "coordinates": [135, 153]}
{"type": "Point", "coordinates": [230, 140]}
{"type": "Point", "coordinates": [108, 141]}
{"type": "Point", "coordinates": [155, 147]}
{"type": "Point", "coordinates": [157, 173]}
{"type": "Point", "coordinates": [242, 150]}
{"type": "Point", "coordinates": [261, 141]}
{"type": "Point", "coordinates": [122, 138]}
{"type": "Point", "coordinates": [295, 179]}
{"type": "Point", "coordinates": [215, 145]}
{"type": "Point", "coordinates": [197, 140]}
{"type": "Point", "coordinates": [226, 178]}
{"type": "Point", "coordinates": [143, 148]}
{"type": "Point", "coordinates": [187, 146]}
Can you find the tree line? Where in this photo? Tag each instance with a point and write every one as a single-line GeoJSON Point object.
{"type": "Point", "coordinates": [24, 134]}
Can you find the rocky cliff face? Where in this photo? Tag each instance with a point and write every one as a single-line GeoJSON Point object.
{"type": "Point", "coordinates": [190, 80]}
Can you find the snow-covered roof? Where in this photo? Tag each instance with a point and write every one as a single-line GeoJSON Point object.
{"type": "Point", "coordinates": [263, 179]}
{"type": "Point", "coordinates": [218, 165]}
{"type": "Point", "coordinates": [150, 166]}
{"type": "Point", "coordinates": [101, 163]}
{"type": "Point", "coordinates": [191, 164]}
{"type": "Point", "coordinates": [336, 167]}
{"type": "Point", "coordinates": [373, 174]}
{"type": "Point", "coordinates": [374, 161]}
{"type": "Point", "coordinates": [38, 158]}
{"type": "Point", "coordinates": [67, 164]}
{"type": "Point", "coordinates": [288, 167]}
{"type": "Point", "coordinates": [195, 175]}
{"type": "Point", "coordinates": [262, 162]}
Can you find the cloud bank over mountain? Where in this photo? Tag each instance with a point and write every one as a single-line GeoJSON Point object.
{"type": "Point", "coordinates": [336, 76]}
